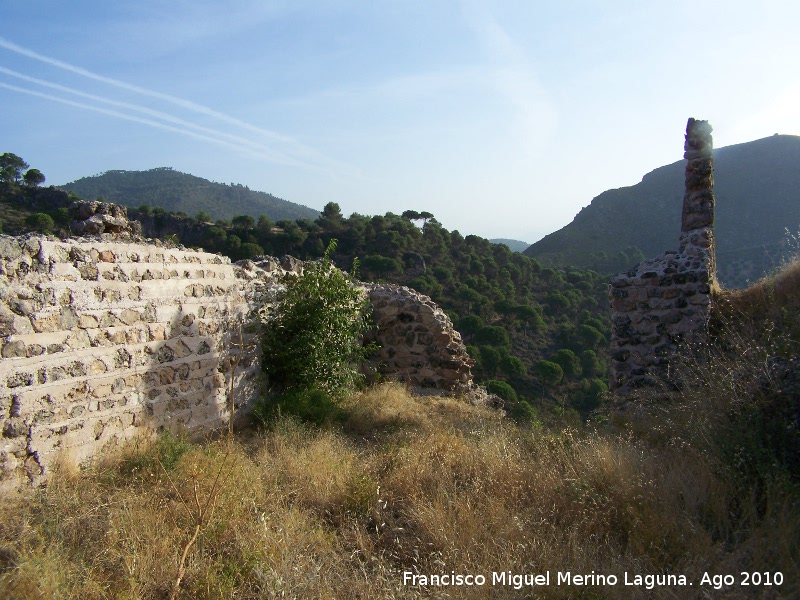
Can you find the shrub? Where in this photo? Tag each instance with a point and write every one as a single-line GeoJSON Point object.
{"type": "Point", "coordinates": [490, 359]}
{"type": "Point", "coordinates": [40, 222]}
{"type": "Point", "coordinates": [470, 324]}
{"type": "Point", "coordinates": [309, 405]}
{"type": "Point", "coordinates": [548, 372]}
{"type": "Point", "coordinates": [164, 453]}
{"type": "Point", "coordinates": [493, 335]}
{"type": "Point", "coordinates": [250, 250]}
{"type": "Point", "coordinates": [502, 389]}
{"type": "Point", "coordinates": [522, 412]}
{"type": "Point", "coordinates": [513, 366]}
{"type": "Point", "coordinates": [591, 365]}
{"type": "Point", "coordinates": [593, 394]}
{"type": "Point", "coordinates": [568, 361]}
{"type": "Point", "coordinates": [313, 331]}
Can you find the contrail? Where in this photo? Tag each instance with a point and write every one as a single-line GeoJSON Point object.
{"type": "Point", "coordinates": [142, 109]}
{"type": "Point", "coordinates": [157, 124]}
{"type": "Point", "coordinates": [300, 149]}
{"type": "Point", "coordinates": [188, 104]}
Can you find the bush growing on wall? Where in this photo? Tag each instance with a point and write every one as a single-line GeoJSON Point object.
{"type": "Point", "coordinates": [313, 332]}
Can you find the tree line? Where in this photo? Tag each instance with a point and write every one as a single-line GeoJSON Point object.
{"type": "Point", "coordinates": [539, 335]}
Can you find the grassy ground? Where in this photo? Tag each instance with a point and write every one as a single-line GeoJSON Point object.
{"type": "Point", "coordinates": [407, 484]}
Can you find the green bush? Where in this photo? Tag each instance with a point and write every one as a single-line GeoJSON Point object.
{"type": "Point", "coordinates": [165, 453]}
{"type": "Point", "coordinates": [313, 332]}
{"type": "Point", "coordinates": [470, 324]}
{"type": "Point", "coordinates": [489, 359]}
{"type": "Point", "coordinates": [549, 373]}
{"type": "Point", "coordinates": [502, 389]}
{"type": "Point", "coordinates": [513, 366]}
{"type": "Point", "coordinates": [593, 394]}
{"type": "Point", "coordinates": [522, 412]}
{"type": "Point", "coordinates": [493, 335]}
{"type": "Point", "coordinates": [309, 405]}
{"type": "Point", "coordinates": [40, 222]}
{"type": "Point", "coordinates": [568, 361]}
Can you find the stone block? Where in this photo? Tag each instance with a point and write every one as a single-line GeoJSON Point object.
{"type": "Point", "coordinates": [87, 321]}
{"type": "Point", "coordinates": [129, 317]}
{"type": "Point", "coordinates": [623, 305]}
{"type": "Point", "coordinates": [14, 349]}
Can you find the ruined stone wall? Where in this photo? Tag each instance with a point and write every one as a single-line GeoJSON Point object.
{"type": "Point", "coordinates": [103, 341]}
{"type": "Point", "coordinates": [666, 301]}
{"type": "Point", "coordinates": [418, 344]}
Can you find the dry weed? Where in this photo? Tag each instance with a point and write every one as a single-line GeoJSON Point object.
{"type": "Point", "coordinates": [425, 485]}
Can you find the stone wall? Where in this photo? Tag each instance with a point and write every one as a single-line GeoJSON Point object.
{"type": "Point", "coordinates": [666, 301]}
{"type": "Point", "coordinates": [418, 344]}
{"type": "Point", "coordinates": [103, 341]}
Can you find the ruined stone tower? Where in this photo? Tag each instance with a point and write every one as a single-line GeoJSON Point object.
{"type": "Point", "coordinates": [666, 301]}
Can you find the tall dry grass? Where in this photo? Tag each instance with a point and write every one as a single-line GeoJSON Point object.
{"type": "Point", "coordinates": [426, 485]}
{"type": "Point", "coordinates": [767, 312]}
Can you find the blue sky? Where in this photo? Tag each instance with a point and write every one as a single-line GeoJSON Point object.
{"type": "Point", "coordinates": [503, 119]}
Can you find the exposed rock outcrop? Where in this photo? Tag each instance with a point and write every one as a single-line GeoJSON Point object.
{"type": "Point", "coordinates": [102, 218]}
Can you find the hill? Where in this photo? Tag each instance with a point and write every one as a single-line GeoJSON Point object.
{"type": "Point", "coordinates": [513, 245]}
{"type": "Point", "coordinates": [537, 334]}
{"type": "Point", "coordinates": [757, 187]}
{"type": "Point", "coordinates": [181, 192]}
{"type": "Point", "coordinates": [513, 314]}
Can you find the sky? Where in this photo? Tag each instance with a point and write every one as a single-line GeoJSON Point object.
{"type": "Point", "coordinates": [503, 118]}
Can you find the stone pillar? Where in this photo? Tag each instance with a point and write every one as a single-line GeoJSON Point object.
{"type": "Point", "coordinates": [665, 302]}
{"type": "Point", "coordinates": [697, 221]}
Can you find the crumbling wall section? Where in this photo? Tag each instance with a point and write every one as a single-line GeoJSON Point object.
{"type": "Point", "coordinates": [666, 301]}
{"type": "Point", "coordinates": [418, 344]}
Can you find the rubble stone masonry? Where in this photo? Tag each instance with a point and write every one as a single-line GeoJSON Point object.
{"type": "Point", "coordinates": [418, 344]}
{"type": "Point", "coordinates": [666, 301]}
{"type": "Point", "coordinates": [103, 341]}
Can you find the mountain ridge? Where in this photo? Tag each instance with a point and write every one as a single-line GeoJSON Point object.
{"type": "Point", "coordinates": [757, 188]}
{"type": "Point", "coordinates": [183, 192]}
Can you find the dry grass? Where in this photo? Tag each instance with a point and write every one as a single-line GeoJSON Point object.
{"type": "Point", "coordinates": [425, 485]}
{"type": "Point", "coordinates": [767, 312]}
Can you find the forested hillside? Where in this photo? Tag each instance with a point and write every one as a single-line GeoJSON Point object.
{"type": "Point", "coordinates": [757, 188]}
{"type": "Point", "coordinates": [515, 245]}
{"type": "Point", "coordinates": [538, 333]}
{"type": "Point", "coordinates": [181, 192]}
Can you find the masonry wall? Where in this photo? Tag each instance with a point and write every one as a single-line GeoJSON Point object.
{"type": "Point", "coordinates": [666, 301]}
{"type": "Point", "coordinates": [103, 341]}
{"type": "Point", "coordinates": [418, 344]}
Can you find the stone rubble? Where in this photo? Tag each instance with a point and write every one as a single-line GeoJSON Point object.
{"type": "Point", "coordinates": [418, 344]}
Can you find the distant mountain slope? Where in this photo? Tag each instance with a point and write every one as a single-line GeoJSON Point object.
{"type": "Point", "coordinates": [757, 187]}
{"type": "Point", "coordinates": [176, 191]}
{"type": "Point", "coordinates": [513, 245]}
